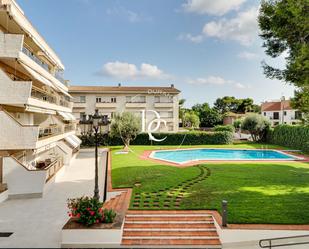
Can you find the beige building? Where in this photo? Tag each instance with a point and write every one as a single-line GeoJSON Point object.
{"type": "Point", "coordinates": [280, 112]}
{"type": "Point", "coordinates": [110, 100]}
{"type": "Point", "coordinates": [37, 128]}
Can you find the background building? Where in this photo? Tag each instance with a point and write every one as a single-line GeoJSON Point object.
{"type": "Point", "coordinates": [110, 100]}
{"type": "Point", "coordinates": [280, 112]}
{"type": "Point", "coordinates": [36, 123]}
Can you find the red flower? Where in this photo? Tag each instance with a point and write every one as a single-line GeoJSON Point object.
{"type": "Point", "coordinates": [92, 213]}
{"type": "Point", "coordinates": [97, 221]}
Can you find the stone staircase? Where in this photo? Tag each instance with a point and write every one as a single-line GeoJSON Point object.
{"type": "Point", "coordinates": [119, 203]}
{"type": "Point", "coordinates": [173, 229]}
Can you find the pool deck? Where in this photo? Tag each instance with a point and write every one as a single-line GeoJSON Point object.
{"type": "Point", "coordinates": [147, 156]}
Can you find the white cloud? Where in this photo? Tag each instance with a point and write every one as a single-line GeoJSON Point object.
{"type": "Point", "coordinates": [248, 55]}
{"type": "Point", "coordinates": [216, 81]}
{"type": "Point", "coordinates": [243, 28]}
{"type": "Point", "coordinates": [127, 71]}
{"type": "Point", "coordinates": [210, 80]}
{"type": "Point", "coordinates": [130, 15]}
{"type": "Point", "coordinates": [191, 38]}
{"type": "Point", "coordinates": [213, 7]}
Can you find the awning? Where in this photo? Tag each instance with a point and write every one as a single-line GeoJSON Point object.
{"type": "Point", "coordinates": [38, 77]}
{"type": "Point", "coordinates": [73, 140]}
{"type": "Point", "coordinates": [64, 92]}
{"type": "Point", "coordinates": [39, 110]}
{"type": "Point", "coordinates": [67, 116]}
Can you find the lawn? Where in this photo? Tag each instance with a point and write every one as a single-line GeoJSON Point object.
{"type": "Point", "coordinates": [276, 193]}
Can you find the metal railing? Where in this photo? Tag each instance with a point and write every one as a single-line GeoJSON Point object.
{"type": "Point", "coordinates": [48, 97]}
{"type": "Point", "coordinates": [271, 243]}
{"type": "Point", "coordinates": [32, 56]}
{"type": "Point", "coordinates": [50, 131]}
{"type": "Point", "coordinates": [69, 127]}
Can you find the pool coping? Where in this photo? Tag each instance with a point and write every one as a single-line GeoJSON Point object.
{"type": "Point", "coordinates": [149, 155]}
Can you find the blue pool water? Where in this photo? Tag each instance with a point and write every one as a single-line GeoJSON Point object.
{"type": "Point", "coordinates": [184, 156]}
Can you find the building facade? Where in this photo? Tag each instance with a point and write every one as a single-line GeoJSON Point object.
{"type": "Point", "coordinates": [37, 128]}
{"type": "Point", "coordinates": [280, 112]}
{"type": "Point", "coordinates": [111, 100]}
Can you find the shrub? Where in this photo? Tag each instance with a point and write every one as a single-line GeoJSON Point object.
{"type": "Point", "coordinates": [257, 125]}
{"type": "Point", "coordinates": [89, 211]}
{"type": "Point", "coordinates": [229, 128]}
{"type": "Point", "coordinates": [293, 136]}
{"type": "Point", "coordinates": [237, 123]}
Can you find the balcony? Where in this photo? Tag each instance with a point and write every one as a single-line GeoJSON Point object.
{"type": "Point", "coordinates": [163, 104]}
{"type": "Point", "coordinates": [136, 104]}
{"type": "Point", "coordinates": [79, 105]}
{"type": "Point", "coordinates": [106, 105]}
{"type": "Point", "coordinates": [14, 135]}
{"type": "Point", "coordinates": [14, 48]}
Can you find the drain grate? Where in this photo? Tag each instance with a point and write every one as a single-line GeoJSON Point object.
{"type": "Point", "coordinates": [2, 235]}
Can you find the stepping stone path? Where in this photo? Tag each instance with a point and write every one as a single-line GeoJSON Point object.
{"type": "Point", "coordinates": [169, 197]}
{"type": "Point", "coordinates": [172, 229]}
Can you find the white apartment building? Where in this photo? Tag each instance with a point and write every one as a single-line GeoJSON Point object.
{"type": "Point", "coordinates": [37, 128]}
{"type": "Point", "coordinates": [110, 100]}
{"type": "Point", "coordinates": [280, 112]}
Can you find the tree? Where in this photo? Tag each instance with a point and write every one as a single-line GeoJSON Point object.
{"type": "Point", "coordinates": [210, 117]}
{"type": "Point", "coordinates": [231, 104]}
{"type": "Point", "coordinates": [191, 120]}
{"type": "Point", "coordinates": [257, 125]}
{"type": "Point", "coordinates": [126, 126]}
{"type": "Point", "coordinates": [284, 26]}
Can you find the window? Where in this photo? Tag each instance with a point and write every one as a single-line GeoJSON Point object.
{"type": "Point", "coordinates": [298, 115]}
{"type": "Point", "coordinates": [82, 99]}
{"type": "Point", "coordinates": [264, 113]}
{"type": "Point", "coordinates": [157, 99]}
{"type": "Point", "coordinates": [98, 100]}
{"type": "Point", "coordinates": [284, 113]}
{"type": "Point", "coordinates": [113, 99]}
{"type": "Point", "coordinates": [169, 114]}
{"type": "Point", "coordinates": [276, 115]}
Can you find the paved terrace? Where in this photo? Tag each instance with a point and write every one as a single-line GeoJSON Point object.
{"type": "Point", "coordinates": [38, 222]}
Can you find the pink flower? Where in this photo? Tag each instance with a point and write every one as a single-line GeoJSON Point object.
{"type": "Point", "coordinates": [97, 221]}
{"type": "Point", "coordinates": [92, 213]}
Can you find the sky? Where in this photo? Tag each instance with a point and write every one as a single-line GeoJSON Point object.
{"type": "Point", "coordinates": [207, 49]}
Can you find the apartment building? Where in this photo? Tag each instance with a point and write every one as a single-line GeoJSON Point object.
{"type": "Point", "coordinates": [280, 112]}
{"type": "Point", "coordinates": [37, 128]}
{"type": "Point", "coordinates": [110, 100]}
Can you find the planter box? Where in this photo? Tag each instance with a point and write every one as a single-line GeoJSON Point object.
{"type": "Point", "coordinates": [75, 235]}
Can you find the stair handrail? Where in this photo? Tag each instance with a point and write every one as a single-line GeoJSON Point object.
{"type": "Point", "coordinates": [271, 240]}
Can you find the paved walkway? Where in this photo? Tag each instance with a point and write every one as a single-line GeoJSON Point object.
{"type": "Point", "coordinates": [38, 222]}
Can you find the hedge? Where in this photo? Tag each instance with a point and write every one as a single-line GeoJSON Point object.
{"type": "Point", "coordinates": [229, 128]}
{"type": "Point", "coordinates": [184, 138]}
{"type": "Point", "coordinates": [293, 136]}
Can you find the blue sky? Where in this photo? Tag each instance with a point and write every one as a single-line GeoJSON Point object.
{"type": "Point", "coordinates": [207, 49]}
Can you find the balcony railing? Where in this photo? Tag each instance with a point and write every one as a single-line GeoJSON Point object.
{"type": "Point", "coordinates": [69, 127]}
{"type": "Point", "coordinates": [35, 59]}
{"type": "Point", "coordinates": [59, 76]}
{"type": "Point", "coordinates": [48, 97]}
{"type": "Point", "coordinates": [50, 131]}
{"type": "Point", "coordinates": [40, 95]}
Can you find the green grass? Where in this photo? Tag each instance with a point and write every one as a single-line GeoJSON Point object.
{"type": "Point", "coordinates": [273, 193]}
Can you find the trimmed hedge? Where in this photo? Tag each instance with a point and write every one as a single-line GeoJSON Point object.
{"type": "Point", "coordinates": [293, 136]}
{"type": "Point", "coordinates": [185, 138]}
{"type": "Point", "coordinates": [229, 128]}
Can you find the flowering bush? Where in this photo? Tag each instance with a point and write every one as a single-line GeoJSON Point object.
{"type": "Point", "coordinates": [89, 211]}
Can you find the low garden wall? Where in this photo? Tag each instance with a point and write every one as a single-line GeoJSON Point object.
{"type": "Point", "coordinates": [184, 138]}
{"type": "Point", "coordinates": [295, 137]}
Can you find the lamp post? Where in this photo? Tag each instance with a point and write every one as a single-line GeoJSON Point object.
{"type": "Point", "coordinates": [93, 125]}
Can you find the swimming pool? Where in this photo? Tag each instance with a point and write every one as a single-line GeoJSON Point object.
{"type": "Point", "coordinates": [188, 155]}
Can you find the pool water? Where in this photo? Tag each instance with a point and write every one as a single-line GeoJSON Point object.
{"type": "Point", "coordinates": [188, 155]}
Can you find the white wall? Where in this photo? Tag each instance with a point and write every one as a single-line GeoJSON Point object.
{"type": "Point", "coordinates": [120, 106]}
{"type": "Point", "coordinates": [20, 181]}
{"type": "Point", "coordinates": [289, 118]}
{"type": "Point", "coordinates": [15, 136]}
{"type": "Point", "coordinates": [13, 92]}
